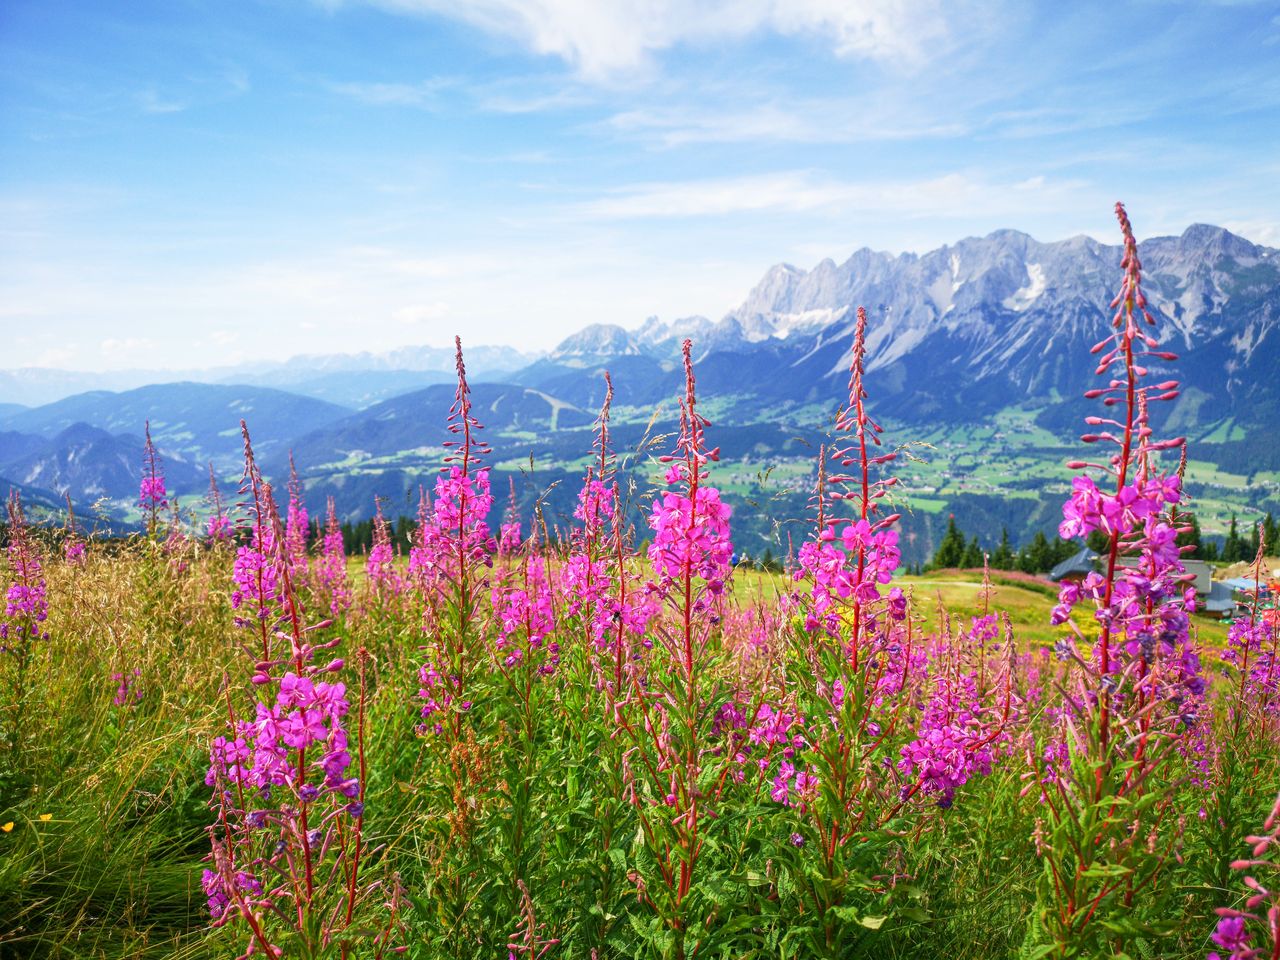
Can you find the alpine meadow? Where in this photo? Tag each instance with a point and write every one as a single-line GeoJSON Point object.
{"type": "Point", "coordinates": [640, 480]}
{"type": "Point", "coordinates": [618, 738]}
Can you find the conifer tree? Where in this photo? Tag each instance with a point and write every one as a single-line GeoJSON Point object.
{"type": "Point", "coordinates": [1002, 558]}
{"type": "Point", "coordinates": [950, 552]}
{"type": "Point", "coordinates": [1233, 550]}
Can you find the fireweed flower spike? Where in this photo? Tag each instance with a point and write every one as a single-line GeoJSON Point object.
{"type": "Point", "coordinates": [450, 563]}
{"type": "Point", "coordinates": [1252, 930]}
{"type": "Point", "coordinates": [848, 564]}
{"type": "Point", "coordinates": [257, 573]}
{"type": "Point", "coordinates": [1137, 683]}
{"type": "Point", "coordinates": [218, 529]}
{"type": "Point", "coordinates": [297, 528]}
{"type": "Point", "coordinates": [152, 497]}
{"type": "Point", "coordinates": [668, 716]}
{"type": "Point", "coordinates": [286, 841]}
{"type": "Point", "coordinates": [176, 540]}
{"type": "Point", "coordinates": [26, 608]}
{"type": "Point", "coordinates": [592, 577]}
{"type": "Point", "coordinates": [509, 538]}
{"type": "Point", "coordinates": [330, 580]}
{"type": "Point", "coordinates": [385, 582]}
{"type": "Point", "coordinates": [127, 692]}
{"type": "Point", "coordinates": [833, 763]}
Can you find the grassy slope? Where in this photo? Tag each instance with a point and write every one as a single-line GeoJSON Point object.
{"type": "Point", "coordinates": [1027, 601]}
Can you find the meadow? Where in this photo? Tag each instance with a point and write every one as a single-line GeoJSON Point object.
{"type": "Point", "coordinates": [610, 741]}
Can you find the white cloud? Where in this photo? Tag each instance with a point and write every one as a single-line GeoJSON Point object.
{"type": "Point", "coordinates": [422, 94]}
{"type": "Point", "coordinates": [134, 347]}
{"type": "Point", "coordinates": [152, 102]}
{"type": "Point", "coordinates": [807, 121]}
{"type": "Point", "coordinates": [422, 313]}
{"type": "Point", "coordinates": [604, 38]}
{"type": "Point", "coordinates": [52, 357]}
{"type": "Point", "coordinates": [1265, 232]}
{"type": "Point", "coordinates": [798, 191]}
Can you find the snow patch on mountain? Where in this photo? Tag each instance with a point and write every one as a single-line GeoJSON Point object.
{"type": "Point", "coordinates": [1024, 297]}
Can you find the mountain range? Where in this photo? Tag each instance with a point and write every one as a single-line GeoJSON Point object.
{"type": "Point", "coordinates": [352, 379]}
{"type": "Point", "coordinates": [988, 331]}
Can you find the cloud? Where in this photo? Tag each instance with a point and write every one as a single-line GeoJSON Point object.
{"type": "Point", "coordinates": [53, 357]}
{"type": "Point", "coordinates": [605, 38]}
{"type": "Point", "coordinates": [115, 348]}
{"type": "Point", "coordinates": [422, 313]}
{"type": "Point", "coordinates": [1265, 232]}
{"type": "Point", "coordinates": [152, 102]}
{"type": "Point", "coordinates": [424, 94]}
{"type": "Point", "coordinates": [796, 121]}
{"type": "Point", "coordinates": [799, 191]}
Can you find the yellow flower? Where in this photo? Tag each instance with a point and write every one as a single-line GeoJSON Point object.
{"type": "Point", "coordinates": [6, 827]}
{"type": "Point", "coordinates": [46, 817]}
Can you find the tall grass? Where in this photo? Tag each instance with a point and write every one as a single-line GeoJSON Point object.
{"type": "Point", "coordinates": [564, 746]}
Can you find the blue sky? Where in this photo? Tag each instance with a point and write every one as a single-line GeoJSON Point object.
{"type": "Point", "coordinates": [189, 183]}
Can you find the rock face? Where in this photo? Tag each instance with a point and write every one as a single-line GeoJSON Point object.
{"type": "Point", "coordinates": [88, 464]}
{"type": "Point", "coordinates": [969, 328]}
{"type": "Point", "coordinates": [955, 336]}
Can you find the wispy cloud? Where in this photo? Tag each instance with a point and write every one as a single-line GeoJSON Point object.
{"type": "Point", "coordinates": [151, 101]}
{"type": "Point", "coordinates": [423, 94]}
{"type": "Point", "coordinates": [783, 121]}
{"type": "Point", "coordinates": [799, 191]}
{"type": "Point", "coordinates": [422, 313]}
{"type": "Point", "coordinates": [603, 39]}
{"type": "Point", "coordinates": [116, 348]}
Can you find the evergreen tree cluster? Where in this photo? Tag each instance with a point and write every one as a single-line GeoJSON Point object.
{"type": "Point", "coordinates": [1038, 556]}
{"type": "Point", "coordinates": [357, 537]}
{"type": "Point", "coordinates": [1238, 547]}
{"type": "Point", "coordinates": [1042, 554]}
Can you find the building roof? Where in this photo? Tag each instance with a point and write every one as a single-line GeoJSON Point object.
{"type": "Point", "coordinates": [1246, 584]}
{"type": "Point", "coordinates": [1221, 599]}
{"type": "Point", "coordinates": [1080, 562]}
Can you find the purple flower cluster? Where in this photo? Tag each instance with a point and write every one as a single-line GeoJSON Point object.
{"type": "Point", "coordinates": [257, 578]}
{"type": "Point", "coordinates": [954, 742]}
{"type": "Point", "coordinates": [151, 491]}
{"type": "Point", "coordinates": [691, 533]}
{"type": "Point", "coordinates": [595, 507]}
{"type": "Point", "coordinates": [218, 526]}
{"type": "Point", "coordinates": [26, 607]}
{"type": "Point", "coordinates": [438, 694]}
{"type": "Point", "coordinates": [1251, 650]}
{"type": "Point", "coordinates": [525, 618]}
{"type": "Point", "coordinates": [380, 565]}
{"type": "Point", "coordinates": [245, 884]}
{"type": "Point", "coordinates": [127, 692]}
{"type": "Point", "coordinates": [457, 532]}
{"type": "Point", "coordinates": [297, 528]}
{"type": "Point", "coordinates": [865, 560]}
{"type": "Point", "coordinates": [509, 538]}
{"type": "Point", "coordinates": [218, 529]}
{"type": "Point", "coordinates": [25, 604]}
{"type": "Point", "coordinates": [263, 754]}
{"type": "Point", "coordinates": [1088, 509]}
{"type": "Point", "coordinates": [331, 567]}
{"type": "Point", "coordinates": [793, 787]}
{"type": "Point", "coordinates": [1261, 907]}
{"type": "Point", "coordinates": [1146, 607]}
